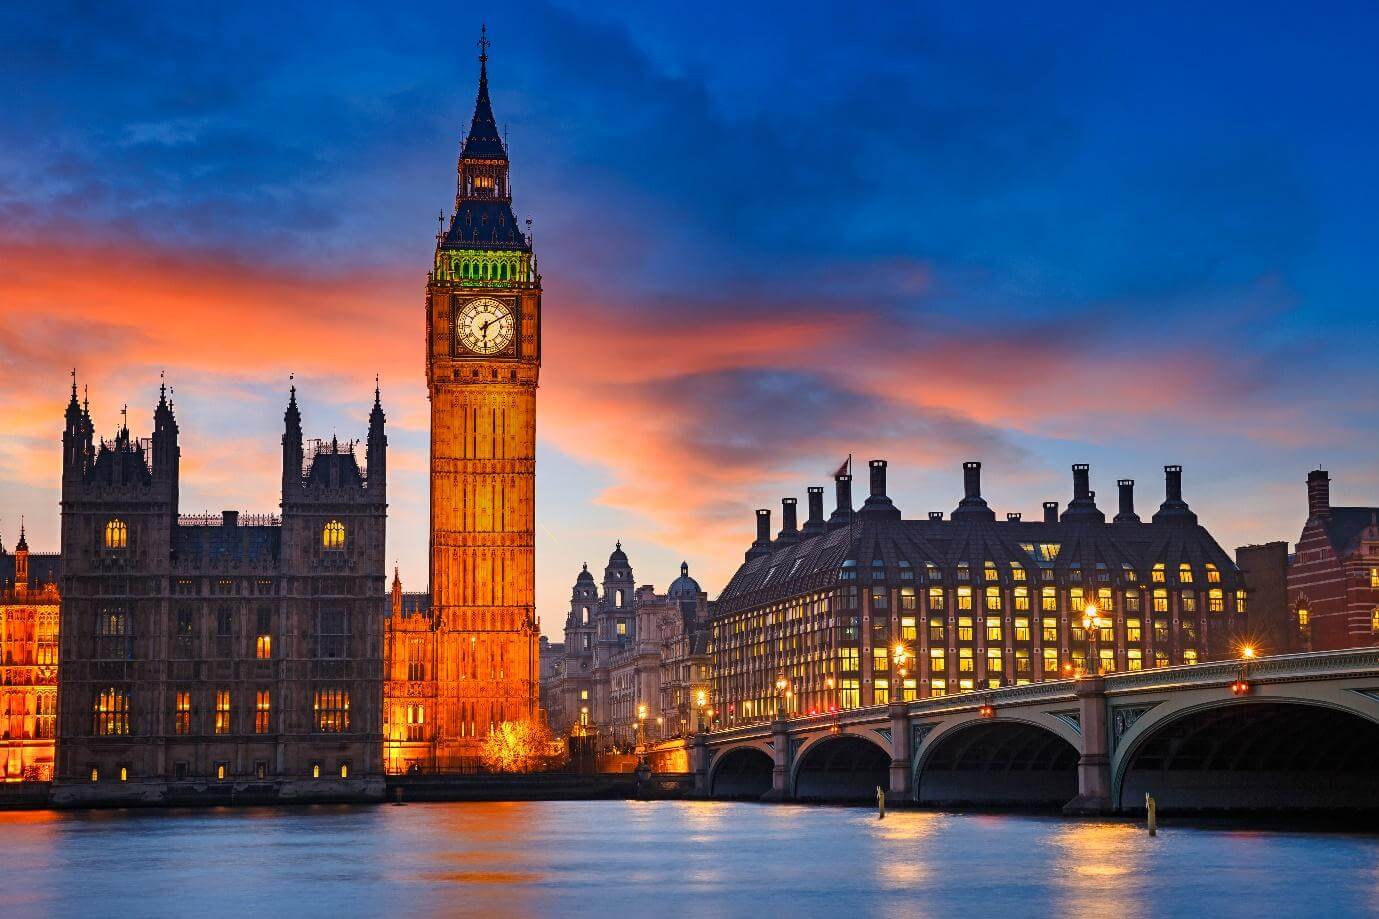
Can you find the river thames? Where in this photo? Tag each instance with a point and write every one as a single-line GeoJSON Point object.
{"type": "Point", "coordinates": [663, 859]}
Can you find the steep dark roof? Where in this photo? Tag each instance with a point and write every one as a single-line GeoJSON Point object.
{"type": "Point", "coordinates": [483, 140]}
{"type": "Point", "coordinates": [333, 469]}
{"type": "Point", "coordinates": [1093, 549]}
{"type": "Point", "coordinates": [1346, 525]}
{"type": "Point", "coordinates": [213, 545]}
{"type": "Point", "coordinates": [44, 568]}
{"type": "Point", "coordinates": [415, 603]}
{"type": "Point", "coordinates": [485, 223]}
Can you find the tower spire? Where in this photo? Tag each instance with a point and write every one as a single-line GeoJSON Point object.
{"type": "Point", "coordinates": [483, 141]}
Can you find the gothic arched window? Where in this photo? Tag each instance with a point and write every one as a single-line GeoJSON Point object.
{"type": "Point", "coordinates": [116, 535]}
{"type": "Point", "coordinates": [333, 536]}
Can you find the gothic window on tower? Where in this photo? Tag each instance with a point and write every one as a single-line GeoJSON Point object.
{"type": "Point", "coordinates": [182, 712]}
{"type": "Point", "coordinates": [263, 710]}
{"type": "Point", "coordinates": [330, 633]}
{"type": "Point", "coordinates": [112, 635]}
{"type": "Point", "coordinates": [111, 712]}
{"type": "Point", "coordinates": [116, 535]}
{"type": "Point", "coordinates": [332, 711]}
{"type": "Point", "coordinates": [222, 711]}
{"type": "Point", "coordinates": [333, 535]}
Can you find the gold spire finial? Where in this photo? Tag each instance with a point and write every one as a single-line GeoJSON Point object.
{"type": "Point", "coordinates": [483, 43]}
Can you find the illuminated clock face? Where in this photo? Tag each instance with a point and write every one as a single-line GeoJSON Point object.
{"type": "Point", "coordinates": [484, 326]}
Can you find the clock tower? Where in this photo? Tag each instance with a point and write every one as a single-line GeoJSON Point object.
{"type": "Point", "coordinates": [483, 354]}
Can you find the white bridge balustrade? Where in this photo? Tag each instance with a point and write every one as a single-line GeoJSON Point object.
{"type": "Point", "coordinates": [1287, 732]}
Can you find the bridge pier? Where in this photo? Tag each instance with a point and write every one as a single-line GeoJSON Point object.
{"type": "Point", "coordinates": [1094, 763]}
{"type": "Point", "coordinates": [699, 765]}
{"type": "Point", "coordinates": [780, 762]}
{"type": "Point", "coordinates": [899, 791]}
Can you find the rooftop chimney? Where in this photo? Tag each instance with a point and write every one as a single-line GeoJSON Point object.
{"type": "Point", "coordinates": [229, 518]}
{"type": "Point", "coordinates": [1127, 502]}
{"type": "Point", "coordinates": [878, 504]}
{"type": "Point", "coordinates": [789, 529]}
{"type": "Point", "coordinates": [1050, 511]}
{"type": "Point", "coordinates": [842, 514]}
{"type": "Point", "coordinates": [762, 545]}
{"type": "Point", "coordinates": [815, 523]}
{"type": "Point", "coordinates": [1318, 493]}
{"type": "Point", "coordinates": [1013, 517]}
{"type": "Point", "coordinates": [973, 505]}
{"type": "Point", "coordinates": [1174, 509]}
{"type": "Point", "coordinates": [1082, 508]}
{"type": "Point", "coordinates": [936, 515]}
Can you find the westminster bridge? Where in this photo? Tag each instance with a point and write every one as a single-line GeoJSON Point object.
{"type": "Point", "coordinates": [1294, 731]}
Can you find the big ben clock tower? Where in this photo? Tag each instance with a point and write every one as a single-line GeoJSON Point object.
{"type": "Point", "coordinates": [483, 353]}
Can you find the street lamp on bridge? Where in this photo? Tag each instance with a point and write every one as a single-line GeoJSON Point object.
{"type": "Point", "coordinates": [1092, 624]}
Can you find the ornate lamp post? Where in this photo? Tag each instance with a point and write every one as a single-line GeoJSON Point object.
{"type": "Point", "coordinates": [701, 699]}
{"type": "Point", "coordinates": [1092, 623]}
{"type": "Point", "coordinates": [641, 724]}
{"type": "Point", "coordinates": [782, 687]}
{"type": "Point", "coordinates": [900, 655]}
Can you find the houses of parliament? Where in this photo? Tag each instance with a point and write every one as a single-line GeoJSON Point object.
{"type": "Point", "coordinates": [162, 657]}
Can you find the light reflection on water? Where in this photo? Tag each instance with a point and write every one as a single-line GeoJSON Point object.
{"type": "Point", "coordinates": [663, 859]}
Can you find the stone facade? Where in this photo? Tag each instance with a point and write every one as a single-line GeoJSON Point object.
{"type": "Point", "coordinates": [1333, 577]}
{"type": "Point", "coordinates": [969, 603]}
{"type": "Point", "coordinates": [227, 657]}
{"type": "Point", "coordinates": [634, 660]}
{"type": "Point", "coordinates": [477, 634]}
{"type": "Point", "coordinates": [29, 610]}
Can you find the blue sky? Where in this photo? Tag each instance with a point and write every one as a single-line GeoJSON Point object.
{"type": "Point", "coordinates": [770, 235]}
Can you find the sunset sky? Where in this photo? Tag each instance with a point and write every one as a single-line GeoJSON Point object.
{"type": "Point", "coordinates": [770, 236]}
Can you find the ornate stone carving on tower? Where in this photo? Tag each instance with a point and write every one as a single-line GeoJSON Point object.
{"type": "Point", "coordinates": [483, 346]}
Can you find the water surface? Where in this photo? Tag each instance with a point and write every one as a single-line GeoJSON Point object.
{"type": "Point", "coordinates": [616, 858]}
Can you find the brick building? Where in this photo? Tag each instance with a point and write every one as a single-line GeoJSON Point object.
{"type": "Point", "coordinates": [1333, 576]}
{"type": "Point", "coordinates": [29, 608]}
{"type": "Point", "coordinates": [969, 602]}
{"type": "Point", "coordinates": [226, 657]}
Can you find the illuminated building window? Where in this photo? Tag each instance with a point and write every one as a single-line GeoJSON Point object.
{"type": "Point", "coordinates": [416, 722]}
{"type": "Point", "coordinates": [618, 598]}
{"type": "Point", "coordinates": [1189, 655]}
{"type": "Point", "coordinates": [263, 642]}
{"type": "Point", "coordinates": [1104, 600]}
{"type": "Point", "coordinates": [332, 710]}
{"type": "Point", "coordinates": [1134, 659]}
{"type": "Point", "coordinates": [344, 770]}
{"type": "Point", "coordinates": [622, 628]}
{"type": "Point", "coordinates": [124, 773]}
{"type": "Point", "coordinates": [584, 695]}
{"type": "Point", "coordinates": [1374, 620]}
{"type": "Point", "coordinates": [182, 712]}
{"type": "Point", "coordinates": [1160, 631]}
{"type": "Point", "coordinates": [116, 535]}
{"type": "Point", "coordinates": [1132, 630]}
{"type": "Point", "coordinates": [937, 661]}
{"type": "Point", "coordinates": [1160, 600]}
{"type": "Point", "coordinates": [935, 598]}
{"type": "Point", "coordinates": [260, 769]}
{"type": "Point", "coordinates": [222, 771]}
{"type": "Point", "coordinates": [993, 599]}
{"type": "Point", "coordinates": [881, 692]}
{"type": "Point", "coordinates": [989, 573]}
{"type": "Point", "coordinates": [936, 628]}
{"type": "Point", "coordinates": [1021, 628]}
{"type": "Point", "coordinates": [908, 631]}
{"type": "Point", "coordinates": [1050, 660]}
{"type": "Point", "coordinates": [880, 660]}
{"type": "Point", "coordinates": [1241, 601]}
{"type": "Point", "coordinates": [263, 710]}
{"type": "Point", "coordinates": [965, 684]}
{"type": "Point", "coordinates": [1213, 574]}
{"type": "Point", "coordinates": [1017, 573]}
{"type": "Point", "coordinates": [1160, 658]}
{"type": "Point", "coordinates": [1022, 599]}
{"type": "Point", "coordinates": [1374, 577]}
{"type": "Point", "coordinates": [909, 690]}
{"type": "Point", "coordinates": [1108, 659]}
{"type": "Point", "coordinates": [938, 687]}
{"type": "Point", "coordinates": [111, 711]}
{"type": "Point", "coordinates": [847, 660]}
{"type": "Point", "coordinates": [113, 635]}
{"type": "Point", "coordinates": [907, 599]}
{"type": "Point", "coordinates": [1189, 602]}
{"type": "Point", "coordinates": [995, 663]}
{"type": "Point", "coordinates": [964, 598]}
{"type": "Point", "coordinates": [222, 711]}
{"type": "Point", "coordinates": [584, 715]}
{"type": "Point", "coordinates": [1132, 601]}
{"type": "Point", "coordinates": [1157, 573]}
{"type": "Point", "coordinates": [333, 535]}
{"type": "Point", "coordinates": [1076, 603]}
{"type": "Point", "coordinates": [993, 628]}
{"type": "Point", "coordinates": [95, 774]}
{"type": "Point", "coordinates": [315, 770]}
{"type": "Point", "coordinates": [1216, 600]}
{"type": "Point", "coordinates": [965, 661]}
{"type": "Point", "coordinates": [1184, 573]}
{"type": "Point", "coordinates": [1048, 599]}
{"type": "Point", "coordinates": [849, 696]}
{"type": "Point", "coordinates": [1050, 629]}
{"type": "Point", "coordinates": [964, 628]}
{"type": "Point", "coordinates": [416, 659]}
{"type": "Point", "coordinates": [1022, 661]}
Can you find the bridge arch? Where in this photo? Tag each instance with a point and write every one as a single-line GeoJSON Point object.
{"type": "Point", "coordinates": [841, 767]}
{"type": "Point", "coordinates": [1253, 753]}
{"type": "Point", "coordinates": [741, 772]}
{"type": "Point", "coordinates": [997, 762]}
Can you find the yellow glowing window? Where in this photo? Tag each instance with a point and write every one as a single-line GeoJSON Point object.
{"type": "Point", "coordinates": [112, 712]}
{"type": "Point", "coordinates": [1048, 600]}
{"type": "Point", "coordinates": [965, 685]}
{"type": "Point", "coordinates": [964, 598]}
{"type": "Point", "coordinates": [332, 710]}
{"type": "Point", "coordinates": [220, 771]}
{"type": "Point", "coordinates": [1016, 572]}
{"type": "Point", "coordinates": [333, 535]}
{"type": "Point", "coordinates": [344, 770]}
{"type": "Point", "coordinates": [1050, 629]}
{"type": "Point", "coordinates": [1134, 659]}
{"type": "Point", "coordinates": [1189, 655]}
{"type": "Point", "coordinates": [994, 662]}
{"type": "Point", "coordinates": [993, 628]}
{"type": "Point", "coordinates": [124, 773]}
{"type": "Point", "coordinates": [936, 659]}
{"type": "Point", "coordinates": [964, 628]}
{"type": "Point", "coordinates": [880, 660]}
{"type": "Point", "coordinates": [483, 181]}
{"type": "Point", "coordinates": [95, 774]}
{"type": "Point", "coordinates": [1075, 602]}
{"type": "Point", "coordinates": [116, 535]}
{"type": "Point", "coordinates": [1213, 574]}
{"type": "Point", "coordinates": [1022, 599]}
{"type": "Point", "coordinates": [222, 711]}
{"type": "Point", "coordinates": [182, 713]}
{"type": "Point", "coordinates": [315, 770]}
{"type": "Point", "coordinates": [907, 628]}
{"type": "Point", "coordinates": [1132, 630]}
{"type": "Point", "coordinates": [1021, 628]}
{"type": "Point", "coordinates": [263, 710]}
{"type": "Point", "coordinates": [936, 628]}
{"type": "Point", "coordinates": [1374, 577]}
{"type": "Point", "coordinates": [1241, 601]}
{"type": "Point", "coordinates": [965, 661]}
{"type": "Point", "coordinates": [993, 598]}
{"type": "Point", "coordinates": [1104, 600]}
{"type": "Point", "coordinates": [989, 572]}
{"type": "Point", "coordinates": [1157, 574]}
{"type": "Point", "coordinates": [1160, 601]}
{"type": "Point", "coordinates": [263, 647]}
{"type": "Point", "coordinates": [1184, 573]}
{"type": "Point", "coordinates": [938, 687]}
{"type": "Point", "coordinates": [1374, 620]}
{"type": "Point", "coordinates": [1216, 600]}
{"type": "Point", "coordinates": [1050, 660]}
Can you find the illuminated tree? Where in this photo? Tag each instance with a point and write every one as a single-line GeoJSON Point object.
{"type": "Point", "coordinates": [518, 746]}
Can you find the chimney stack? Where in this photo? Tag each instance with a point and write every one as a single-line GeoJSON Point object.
{"type": "Point", "coordinates": [1174, 509]}
{"type": "Point", "coordinates": [842, 512]}
{"type": "Point", "coordinates": [936, 515]}
{"type": "Point", "coordinates": [789, 528]}
{"type": "Point", "coordinates": [1050, 511]}
{"type": "Point", "coordinates": [1013, 517]}
{"type": "Point", "coordinates": [1127, 502]}
{"type": "Point", "coordinates": [815, 523]}
{"type": "Point", "coordinates": [762, 545]}
{"type": "Point", "coordinates": [878, 504]}
{"type": "Point", "coordinates": [1318, 493]}
{"type": "Point", "coordinates": [1082, 508]}
{"type": "Point", "coordinates": [973, 505]}
{"type": "Point", "coordinates": [1173, 483]}
{"type": "Point", "coordinates": [1082, 485]}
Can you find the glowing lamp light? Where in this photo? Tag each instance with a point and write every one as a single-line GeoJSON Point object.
{"type": "Point", "coordinates": [1248, 652]}
{"type": "Point", "coordinates": [1240, 688]}
{"type": "Point", "coordinates": [987, 711]}
{"type": "Point", "coordinates": [701, 698]}
{"type": "Point", "coordinates": [641, 712]}
{"type": "Point", "coordinates": [1091, 617]}
{"type": "Point", "coordinates": [781, 684]}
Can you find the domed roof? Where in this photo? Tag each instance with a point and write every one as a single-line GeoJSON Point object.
{"type": "Point", "coordinates": [584, 575]}
{"type": "Point", "coordinates": [684, 587]}
{"type": "Point", "coordinates": [619, 557]}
